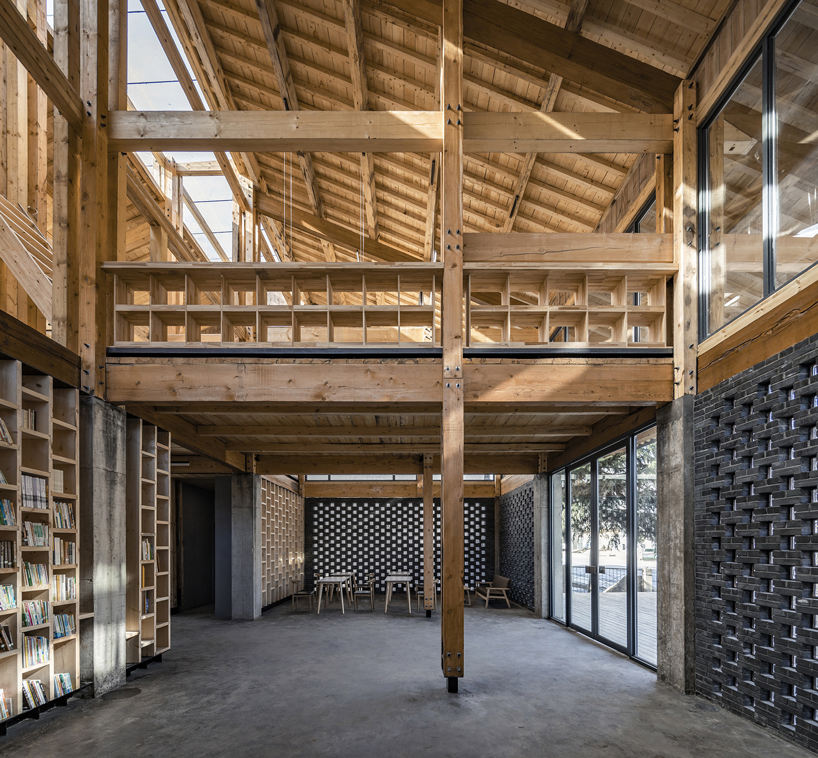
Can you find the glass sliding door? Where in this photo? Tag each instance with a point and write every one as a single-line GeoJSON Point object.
{"type": "Point", "coordinates": [612, 552]}
{"type": "Point", "coordinates": [646, 580]}
{"type": "Point", "coordinates": [559, 545]}
{"type": "Point", "coordinates": [582, 566]}
{"type": "Point", "coordinates": [603, 546]}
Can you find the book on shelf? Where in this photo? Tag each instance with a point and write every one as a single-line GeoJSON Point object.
{"type": "Point", "coordinates": [7, 599]}
{"type": "Point", "coordinates": [34, 574]}
{"type": "Point", "coordinates": [6, 709]}
{"type": "Point", "coordinates": [35, 534]}
{"type": "Point", "coordinates": [147, 604]}
{"type": "Point", "coordinates": [64, 625]}
{"type": "Point", "coordinates": [34, 492]}
{"type": "Point", "coordinates": [144, 577]}
{"type": "Point", "coordinates": [147, 550]}
{"type": "Point", "coordinates": [62, 684]}
{"type": "Point", "coordinates": [65, 552]}
{"type": "Point", "coordinates": [34, 693]}
{"type": "Point", "coordinates": [30, 419]}
{"type": "Point", "coordinates": [35, 650]}
{"type": "Point", "coordinates": [8, 554]}
{"type": "Point", "coordinates": [64, 588]}
{"type": "Point", "coordinates": [2, 475]}
{"type": "Point", "coordinates": [64, 515]}
{"type": "Point", "coordinates": [57, 480]}
{"type": "Point", "coordinates": [5, 434]}
{"type": "Point", "coordinates": [35, 612]}
{"type": "Point", "coordinates": [7, 513]}
{"type": "Point", "coordinates": [6, 640]}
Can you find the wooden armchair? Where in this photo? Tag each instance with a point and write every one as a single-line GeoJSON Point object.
{"type": "Point", "coordinates": [366, 590]}
{"type": "Point", "coordinates": [299, 594]}
{"type": "Point", "coordinates": [498, 589]}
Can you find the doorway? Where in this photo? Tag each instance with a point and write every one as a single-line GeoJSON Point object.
{"type": "Point", "coordinates": [603, 546]}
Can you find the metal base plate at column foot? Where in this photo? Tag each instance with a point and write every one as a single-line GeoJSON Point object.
{"type": "Point", "coordinates": [452, 684]}
{"type": "Point", "coordinates": [428, 614]}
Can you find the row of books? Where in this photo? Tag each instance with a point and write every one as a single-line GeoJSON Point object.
{"type": "Point", "coordinates": [29, 418]}
{"type": "Point", "coordinates": [62, 684]}
{"type": "Point", "coordinates": [7, 513]}
{"type": "Point", "coordinates": [6, 640]}
{"type": "Point", "coordinates": [64, 515]}
{"type": "Point", "coordinates": [35, 650]}
{"type": "Point", "coordinates": [34, 693]}
{"type": "Point", "coordinates": [147, 608]}
{"type": "Point", "coordinates": [64, 588]}
{"type": "Point", "coordinates": [8, 554]}
{"type": "Point", "coordinates": [5, 434]}
{"type": "Point", "coordinates": [65, 552]}
{"type": "Point", "coordinates": [7, 599]}
{"type": "Point", "coordinates": [35, 534]}
{"type": "Point", "coordinates": [34, 492]}
{"type": "Point", "coordinates": [35, 612]}
{"type": "Point", "coordinates": [147, 550]}
{"type": "Point", "coordinates": [64, 625]}
{"type": "Point", "coordinates": [6, 709]}
{"type": "Point", "coordinates": [34, 574]}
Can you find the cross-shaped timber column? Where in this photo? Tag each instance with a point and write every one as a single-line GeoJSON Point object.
{"type": "Point", "coordinates": [452, 324]}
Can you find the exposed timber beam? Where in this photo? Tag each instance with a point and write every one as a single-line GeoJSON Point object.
{"type": "Point", "coordinates": [388, 131]}
{"type": "Point", "coordinates": [292, 430]}
{"type": "Point", "coordinates": [286, 90]}
{"type": "Point", "coordinates": [575, 16]}
{"type": "Point", "coordinates": [360, 94]}
{"type": "Point", "coordinates": [381, 448]}
{"type": "Point", "coordinates": [535, 41]}
{"type": "Point", "coordinates": [35, 58]}
{"type": "Point", "coordinates": [273, 207]}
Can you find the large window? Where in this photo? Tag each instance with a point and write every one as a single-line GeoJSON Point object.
{"type": "Point", "coordinates": [759, 174]}
{"type": "Point", "coordinates": [603, 546]}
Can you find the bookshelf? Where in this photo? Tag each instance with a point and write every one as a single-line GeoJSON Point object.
{"type": "Point", "coordinates": [147, 620]}
{"type": "Point", "coordinates": [282, 541]}
{"type": "Point", "coordinates": [39, 538]}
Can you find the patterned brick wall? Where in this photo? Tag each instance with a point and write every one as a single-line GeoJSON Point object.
{"type": "Point", "coordinates": [382, 535]}
{"type": "Point", "coordinates": [282, 541]}
{"type": "Point", "coordinates": [757, 543]}
{"type": "Point", "coordinates": [517, 543]}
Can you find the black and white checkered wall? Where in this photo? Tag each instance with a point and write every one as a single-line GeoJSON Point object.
{"type": "Point", "coordinates": [383, 535]}
{"type": "Point", "coordinates": [757, 543]}
{"type": "Point", "coordinates": [517, 543]}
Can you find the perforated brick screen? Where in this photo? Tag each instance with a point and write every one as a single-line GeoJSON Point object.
{"type": "Point", "coordinates": [379, 535]}
{"type": "Point", "coordinates": [757, 543]}
{"type": "Point", "coordinates": [517, 543]}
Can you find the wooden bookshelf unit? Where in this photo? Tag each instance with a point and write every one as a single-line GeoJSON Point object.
{"type": "Point", "coordinates": [148, 555]}
{"type": "Point", "coordinates": [40, 469]}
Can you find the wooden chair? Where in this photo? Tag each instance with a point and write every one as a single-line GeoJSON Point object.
{"type": "Point", "coordinates": [367, 590]}
{"type": "Point", "coordinates": [467, 593]}
{"type": "Point", "coordinates": [498, 589]}
{"type": "Point", "coordinates": [419, 593]}
{"type": "Point", "coordinates": [299, 593]}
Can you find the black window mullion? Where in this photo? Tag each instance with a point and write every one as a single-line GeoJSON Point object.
{"type": "Point", "coordinates": [704, 235]}
{"type": "Point", "coordinates": [770, 180]}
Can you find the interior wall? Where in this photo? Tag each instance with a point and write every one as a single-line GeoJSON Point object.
{"type": "Point", "coordinates": [517, 543]}
{"type": "Point", "coordinates": [282, 541]}
{"type": "Point", "coordinates": [756, 506]}
{"type": "Point", "coordinates": [197, 587]}
{"type": "Point", "coordinates": [371, 535]}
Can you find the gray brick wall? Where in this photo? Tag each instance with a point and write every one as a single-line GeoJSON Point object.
{"type": "Point", "coordinates": [517, 543]}
{"type": "Point", "coordinates": [757, 543]}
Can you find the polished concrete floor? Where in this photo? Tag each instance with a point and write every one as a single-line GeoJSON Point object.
{"type": "Point", "coordinates": [369, 684]}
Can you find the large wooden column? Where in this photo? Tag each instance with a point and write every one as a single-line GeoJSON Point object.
{"type": "Point", "coordinates": [429, 589]}
{"type": "Point", "coordinates": [452, 326]}
{"type": "Point", "coordinates": [66, 207]}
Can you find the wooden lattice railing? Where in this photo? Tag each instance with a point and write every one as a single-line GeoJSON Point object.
{"type": "Point", "coordinates": [369, 304]}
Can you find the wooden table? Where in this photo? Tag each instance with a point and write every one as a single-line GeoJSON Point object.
{"type": "Point", "coordinates": [398, 579]}
{"type": "Point", "coordinates": [342, 580]}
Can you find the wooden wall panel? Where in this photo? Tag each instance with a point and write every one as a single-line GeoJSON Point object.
{"type": "Point", "coordinates": [282, 541]}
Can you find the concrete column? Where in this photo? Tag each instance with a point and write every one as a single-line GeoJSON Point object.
{"type": "Point", "coordinates": [675, 545]}
{"type": "Point", "coordinates": [541, 552]}
{"type": "Point", "coordinates": [238, 546]}
{"type": "Point", "coordinates": [102, 540]}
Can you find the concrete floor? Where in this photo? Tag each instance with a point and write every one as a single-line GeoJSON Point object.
{"type": "Point", "coordinates": [370, 685]}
